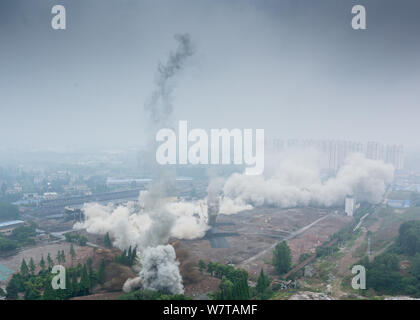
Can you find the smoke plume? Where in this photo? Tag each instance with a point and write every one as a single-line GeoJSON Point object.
{"type": "Point", "coordinates": [160, 270]}
{"type": "Point", "coordinates": [150, 224]}
{"type": "Point", "coordinates": [136, 225]}
{"type": "Point", "coordinates": [159, 105]}
{"type": "Point", "coordinates": [132, 284]}
{"type": "Point", "coordinates": [296, 181]}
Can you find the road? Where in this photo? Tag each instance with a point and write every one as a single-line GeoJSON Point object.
{"type": "Point", "coordinates": [61, 236]}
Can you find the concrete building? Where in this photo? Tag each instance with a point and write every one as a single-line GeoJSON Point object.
{"type": "Point", "coordinates": [394, 154]}
{"type": "Point", "coordinates": [349, 206]}
{"type": "Point", "coordinates": [7, 227]}
{"type": "Point", "coordinates": [337, 151]}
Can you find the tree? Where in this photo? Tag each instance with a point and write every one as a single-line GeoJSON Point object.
{"type": "Point", "coordinates": [101, 272]}
{"type": "Point", "coordinates": [263, 282]}
{"type": "Point", "coordinates": [50, 261]}
{"type": "Point", "coordinates": [58, 257]}
{"type": "Point", "coordinates": [84, 282]}
{"type": "Point", "coordinates": [282, 259]}
{"type": "Point", "coordinates": [49, 292]}
{"type": "Point", "coordinates": [74, 286]}
{"type": "Point", "coordinates": [107, 241]}
{"type": "Point", "coordinates": [32, 294]}
{"type": "Point", "coordinates": [409, 237]}
{"type": "Point", "coordinates": [42, 263]}
{"type": "Point", "coordinates": [8, 211]}
{"type": "Point", "coordinates": [229, 275]}
{"type": "Point", "coordinates": [72, 252]}
{"type": "Point", "coordinates": [201, 265]}
{"type": "Point", "coordinates": [32, 266]}
{"type": "Point", "coordinates": [226, 290]}
{"type": "Point", "coordinates": [12, 289]}
{"type": "Point", "coordinates": [24, 270]}
{"type": "Point", "coordinates": [7, 245]}
{"type": "Point", "coordinates": [63, 256]}
{"type": "Point", "coordinates": [211, 267]}
{"type": "Point", "coordinates": [383, 274]}
{"type": "Point", "coordinates": [415, 266]}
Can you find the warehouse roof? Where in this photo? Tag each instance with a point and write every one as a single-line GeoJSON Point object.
{"type": "Point", "coordinates": [10, 223]}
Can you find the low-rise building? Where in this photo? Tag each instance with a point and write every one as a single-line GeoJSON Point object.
{"type": "Point", "coordinates": [7, 227]}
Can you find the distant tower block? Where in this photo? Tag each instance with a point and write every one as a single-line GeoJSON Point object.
{"type": "Point", "coordinates": [349, 206]}
{"type": "Point", "coordinates": [212, 210]}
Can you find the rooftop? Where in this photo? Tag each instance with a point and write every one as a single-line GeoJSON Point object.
{"type": "Point", "coordinates": [10, 223]}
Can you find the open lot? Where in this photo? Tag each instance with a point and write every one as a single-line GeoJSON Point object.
{"type": "Point", "coordinates": [13, 262]}
{"type": "Point", "coordinates": [259, 230]}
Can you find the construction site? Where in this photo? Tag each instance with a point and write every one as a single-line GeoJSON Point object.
{"type": "Point", "coordinates": [247, 239]}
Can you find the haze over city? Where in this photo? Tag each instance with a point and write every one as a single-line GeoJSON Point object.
{"type": "Point", "coordinates": [212, 150]}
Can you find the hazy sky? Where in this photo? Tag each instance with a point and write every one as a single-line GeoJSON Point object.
{"type": "Point", "coordinates": [293, 67]}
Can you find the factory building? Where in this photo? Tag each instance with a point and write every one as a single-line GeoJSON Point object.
{"type": "Point", "coordinates": [7, 227]}
{"type": "Point", "coordinates": [349, 206]}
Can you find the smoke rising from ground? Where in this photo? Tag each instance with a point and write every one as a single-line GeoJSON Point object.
{"type": "Point", "coordinates": [136, 225]}
{"type": "Point", "coordinates": [160, 110]}
{"type": "Point", "coordinates": [132, 284]}
{"type": "Point", "coordinates": [150, 225]}
{"type": "Point", "coordinates": [297, 181]}
{"type": "Point", "coordinates": [160, 270]}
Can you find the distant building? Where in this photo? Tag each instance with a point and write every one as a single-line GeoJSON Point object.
{"type": "Point", "coordinates": [50, 195]}
{"type": "Point", "coordinates": [394, 154]}
{"type": "Point", "coordinates": [7, 227]}
{"type": "Point", "coordinates": [74, 214]}
{"type": "Point", "coordinates": [349, 206]}
{"type": "Point", "coordinates": [399, 203]}
{"type": "Point", "coordinates": [337, 151]}
{"type": "Point", "coordinates": [113, 182]}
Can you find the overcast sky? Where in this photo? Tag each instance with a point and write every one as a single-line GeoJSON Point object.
{"type": "Point", "coordinates": [295, 68]}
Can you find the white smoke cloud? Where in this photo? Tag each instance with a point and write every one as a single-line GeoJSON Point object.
{"type": "Point", "coordinates": [232, 206]}
{"type": "Point", "coordinates": [135, 225]}
{"type": "Point", "coordinates": [160, 270]}
{"type": "Point", "coordinates": [190, 219]}
{"type": "Point", "coordinates": [297, 181]}
{"type": "Point", "coordinates": [132, 284]}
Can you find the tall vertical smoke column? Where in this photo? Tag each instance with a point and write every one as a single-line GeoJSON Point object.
{"type": "Point", "coordinates": [158, 260]}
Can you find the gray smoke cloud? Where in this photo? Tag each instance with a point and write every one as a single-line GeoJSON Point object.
{"type": "Point", "coordinates": [160, 270]}
{"type": "Point", "coordinates": [133, 224]}
{"type": "Point", "coordinates": [160, 109]}
{"type": "Point", "coordinates": [297, 180]}
{"type": "Point", "coordinates": [150, 224]}
{"type": "Point", "coordinates": [132, 284]}
{"type": "Point", "coordinates": [159, 105]}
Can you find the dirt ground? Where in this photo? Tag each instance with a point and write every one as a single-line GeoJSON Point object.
{"type": "Point", "coordinates": [258, 230]}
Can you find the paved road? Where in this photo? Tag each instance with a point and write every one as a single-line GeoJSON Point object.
{"type": "Point", "coordinates": [61, 236]}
